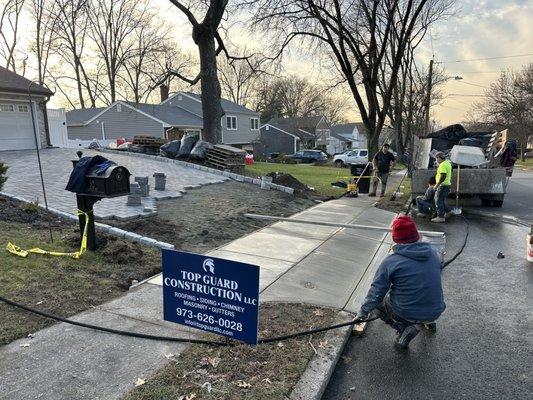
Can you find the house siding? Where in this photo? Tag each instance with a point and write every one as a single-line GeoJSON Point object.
{"type": "Point", "coordinates": [127, 123]}
{"type": "Point", "coordinates": [244, 134]}
{"type": "Point", "coordinates": [183, 101]}
{"type": "Point", "coordinates": [274, 140]}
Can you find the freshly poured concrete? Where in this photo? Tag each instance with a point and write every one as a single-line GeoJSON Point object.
{"type": "Point", "coordinates": [302, 263]}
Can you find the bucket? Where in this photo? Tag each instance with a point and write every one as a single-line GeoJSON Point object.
{"type": "Point", "coordinates": [529, 246]}
{"type": "Point", "coordinates": [438, 243]}
{"type": "Point", "coordinates": [351, 187]}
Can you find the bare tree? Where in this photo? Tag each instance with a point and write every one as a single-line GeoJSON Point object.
{"type": "Point", "coordinates": [239, 80]}
{"type": "Point", "coordinates": [71, 31]}
{"type": "Point", "coordinates": [44, 15]}
{"type": "Point", "coordinates": [111, 23]}
{"type": "Point", "coordinates": [509, 103]}
{"type": "Point", "coordinates": [10, 12]}
{"type": "Point", "coordinates": [357, 35]}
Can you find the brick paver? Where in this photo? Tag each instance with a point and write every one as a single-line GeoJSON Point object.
{"type": "Point", "coordinates": [23, 180]}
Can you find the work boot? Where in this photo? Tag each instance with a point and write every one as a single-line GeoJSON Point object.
{"type": "Point", "coordinates": [404, 338]}
{"type": "Point", "coordinates": [431, 327]}
{"type": "Point", "coordinates": [421, 215]}
{"type": "Point", "coordinates": [438, 219]}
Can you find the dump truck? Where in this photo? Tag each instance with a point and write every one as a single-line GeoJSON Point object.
{"type": "Point", "coordinates": [487, 181]}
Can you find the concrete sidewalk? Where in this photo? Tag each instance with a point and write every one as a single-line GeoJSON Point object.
{"type": "Point", "coordinates": [302, 263]}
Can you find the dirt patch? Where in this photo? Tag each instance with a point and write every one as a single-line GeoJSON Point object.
{"type": "Point", "coordinates": [61, 285]}
{"type": "Point", "coordinates": [280, 178]}
{"type": "Point", "coordinates": [267, 371]}
{"type": "Point", "coordinates": [209, 217]}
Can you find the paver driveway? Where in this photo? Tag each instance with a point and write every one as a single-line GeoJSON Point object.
{"type": "Point", "coordinates": [23, 180]}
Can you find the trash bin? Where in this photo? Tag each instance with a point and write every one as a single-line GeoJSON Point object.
{"type": "Point", "coordinates": [364, 183]}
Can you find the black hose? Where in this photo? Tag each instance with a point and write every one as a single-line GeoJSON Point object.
{"type": "Point", "coordinates": [467, 225]}
{"type": "Point", "coordinates": [175, 339]}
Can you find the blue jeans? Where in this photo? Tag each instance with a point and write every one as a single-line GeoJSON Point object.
{"type": "Point", "coordinates": [425, 206]}
{"type": "Point", "coordinates": [440, 199]}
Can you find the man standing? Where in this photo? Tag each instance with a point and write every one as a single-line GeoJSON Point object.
{"type": "Point", "coordinates": [407, 289]}
{"type": "Point", "coordinates": [442, 187]}
{"type": "Point", "coordinates": [382, 163]}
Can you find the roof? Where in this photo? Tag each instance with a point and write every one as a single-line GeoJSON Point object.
{"type": "Point", "coordinates": [306, 123]}
{"type": "Point", "coordinates": [277, 128]}
{"type": "Point", "coordinates": [82, 115]}
{"type": "Point", "coordinates": [170, 115]}
{"type": "Point", "coordinates": [340, 137]}
{"type": "Point", "coordinates": [227, 105]}
{"type": "Point", "coordinates": [361, 128]}
{"type": "Point", "coordinates": [12, 82]}
{"type": "Point", "coordinates": [343, 129]}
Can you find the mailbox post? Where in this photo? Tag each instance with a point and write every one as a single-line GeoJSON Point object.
{"type": "Point", "coordinates": [113, 182]}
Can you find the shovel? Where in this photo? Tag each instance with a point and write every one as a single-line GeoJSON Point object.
{"type": "Point", "coordinates": [457, 210]}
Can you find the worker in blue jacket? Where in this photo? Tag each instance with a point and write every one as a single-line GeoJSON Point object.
{"type": "Point", "coordinates": [407, 291]}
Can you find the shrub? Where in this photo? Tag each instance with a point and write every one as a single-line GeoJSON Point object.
{"type": "Point", "coordinates": [31, 207]}
{"type": "Point", "coordinates": [3, 177]}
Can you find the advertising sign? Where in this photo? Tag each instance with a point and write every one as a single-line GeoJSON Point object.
{"type": "Point", "coordinates": [212, 294]}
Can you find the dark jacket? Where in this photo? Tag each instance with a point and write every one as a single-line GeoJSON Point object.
{"type": "Point", "coordinates": [412, 275]}
{"type": "Point", "coordinates": [430, 193]}
{"type": "Point", "coordinates": [76, 182]}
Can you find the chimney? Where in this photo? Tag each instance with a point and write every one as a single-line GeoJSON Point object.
{"type": "Point", "coordinates": [163, 89]}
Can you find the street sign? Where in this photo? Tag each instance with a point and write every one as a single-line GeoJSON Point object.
{"type": "Point", "coordinates": [212, 294]}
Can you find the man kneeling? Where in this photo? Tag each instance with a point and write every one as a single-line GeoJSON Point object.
{"type": "Point", "coordinates": [407, 291]}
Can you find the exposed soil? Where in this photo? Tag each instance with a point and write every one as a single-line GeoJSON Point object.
{"type": "Point", "coordinates": [267, 371]}
{"type": "Point", "coordinates": [288, 180]}
{"type": "Point", "coordinates": [210, 216]}
{"type": "Point", "coordinates": [60, 285]}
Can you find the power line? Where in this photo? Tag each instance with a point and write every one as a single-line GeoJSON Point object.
{"type": "Point", "coordinates": [466, 95]}
{"type": "Point", "coordinates": [473, 84]}
{"type": "Point", "coordinates": [486, 58]}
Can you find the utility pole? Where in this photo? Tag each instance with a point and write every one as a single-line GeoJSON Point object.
{"type": "Point", "coordinates": [428, 94]}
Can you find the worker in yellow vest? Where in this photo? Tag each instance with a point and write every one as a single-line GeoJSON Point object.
{"type": "Point", "coordinates": [442, 187]}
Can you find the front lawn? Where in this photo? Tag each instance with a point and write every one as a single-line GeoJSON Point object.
{"type": "Point", "coordinates": [317, 177]}
{"type": "Point", "coordinates": [60, 285]}
{"type": "Point", "coordinates": [526, 164]}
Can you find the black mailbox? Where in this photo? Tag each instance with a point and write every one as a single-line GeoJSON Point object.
{"type": "Point", "coordinates": [100, 181]}
{"type": "Point", "coordinates": [114, 182]}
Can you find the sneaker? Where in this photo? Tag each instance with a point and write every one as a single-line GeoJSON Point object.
{"type": "Point", "coordinates": [431, 327]}
{"type": "Point", "coordinates": [371, 195]}
{"type": "Point", "coordinates": [408, 334]}
{"type": "Point", "coordinates": [438, 219]}
{"type": "Point", "coordinates": [421, 215]}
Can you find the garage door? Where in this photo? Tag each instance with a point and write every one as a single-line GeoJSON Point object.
{"type": "Point", "coordinates": [16, 132]}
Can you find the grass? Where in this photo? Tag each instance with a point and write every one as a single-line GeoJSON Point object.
{"type": "Point", "coordinates": [62, 285]}
{"type": "Point", "coordinates": [267, 371]}
{"type": "Point", "coordinates": [317, 177]}
{"type": "Point", "coordinates": [398, 204]}
{"type": "Point", "coordinates": [526, 164]}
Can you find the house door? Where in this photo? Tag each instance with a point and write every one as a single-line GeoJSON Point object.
{"type": "Point", "coordinates": [57, 124]}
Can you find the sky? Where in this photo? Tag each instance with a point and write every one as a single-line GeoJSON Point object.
{"type": "Point", "coordinates": [479, 29]}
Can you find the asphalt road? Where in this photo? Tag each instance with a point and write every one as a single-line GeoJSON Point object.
{"type": "Point", "coordinates": [484, 345]}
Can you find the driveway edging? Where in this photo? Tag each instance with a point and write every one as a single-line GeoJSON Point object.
{"type": "Point", "coordinates": [227, 174]}
{"type": "Point", "coordinates": [111, 230]}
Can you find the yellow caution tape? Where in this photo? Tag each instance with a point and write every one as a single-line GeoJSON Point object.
{"type": "Point", "coordinates": [16, 250]}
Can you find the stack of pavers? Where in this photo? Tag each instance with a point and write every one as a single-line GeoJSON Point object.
{"type": "Point", "coordinates": [149, 144]}
{"type": "Point", "coordinates": [226, 157]}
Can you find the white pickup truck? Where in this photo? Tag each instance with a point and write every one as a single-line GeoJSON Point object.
{"type": "Point", "coordinates": [351, 157]}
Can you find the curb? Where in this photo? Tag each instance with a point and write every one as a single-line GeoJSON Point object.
{"type": "Point", "coordinates": [315, 379]}
{"type": "Point", "coordinates": [111, 230]}
{"type": "Point", "coordinates": [227, 174]}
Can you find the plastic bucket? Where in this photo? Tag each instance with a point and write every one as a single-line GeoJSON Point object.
{"type": "Point", "coordinates": [529, 246]}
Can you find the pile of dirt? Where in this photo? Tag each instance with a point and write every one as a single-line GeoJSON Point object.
{"type": "Point", "coordinates": [280, 178]}
{"type": "Point", "coordinates": [14, 211]}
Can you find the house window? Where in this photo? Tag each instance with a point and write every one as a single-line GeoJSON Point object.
{"type": "Point", "coordinates": [254, 124]}
{"type": "Point", "coordinates": [231, 123]}
{"type": "Point", "coordinates": [23, 109]}
{"type": "Point", "coordinates": [7, 107]}
{"type": "Point", "coordinates": [119, 107]}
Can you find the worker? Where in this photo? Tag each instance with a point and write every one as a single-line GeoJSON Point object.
{"type": "Point", "coordinates": [426, 203]}
{"type": "Point", "coordinates": [382, 163]}
{"type": "Point", "coordinates": [443, 179]}
{"type": "Point", "coordinates": [407, 291]}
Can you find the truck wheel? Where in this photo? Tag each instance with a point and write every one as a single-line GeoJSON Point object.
{"type": "Point", "coordinates": [486, 202]}
{"type": "Point", "coordinates": [339, 164]}
{"type": "Point", "coordinates": [497, 203]}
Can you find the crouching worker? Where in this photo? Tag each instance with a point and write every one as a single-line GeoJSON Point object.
{"type": "Point", "coordinates": [426, 203]}
{"type": "Point", "coordinates": [406, 292]}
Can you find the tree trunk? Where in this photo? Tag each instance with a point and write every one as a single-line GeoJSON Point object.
{"type": "Point", "coordinates": [372, 141]}
{"type": "Point", "coordinates": [211, 93]}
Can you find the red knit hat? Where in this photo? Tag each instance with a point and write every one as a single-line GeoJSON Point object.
{"type": "Point", "coordinates": [404, 230]}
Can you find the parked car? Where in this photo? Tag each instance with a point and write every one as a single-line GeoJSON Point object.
{"type": "Point", "coordinates": [352, 157]}
{"type": "Point", "coordinates": [309, 156]}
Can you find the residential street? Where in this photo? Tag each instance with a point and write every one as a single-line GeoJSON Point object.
{"type": "Point", "coordinates": [483, 347]}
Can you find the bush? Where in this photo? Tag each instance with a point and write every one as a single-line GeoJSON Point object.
{"type": "Point", "coordinates": [3, 177]}
{"type": "Point", "coordinates": [284, 159]}
{"type": "Point", "coordinates": [31, 207]}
